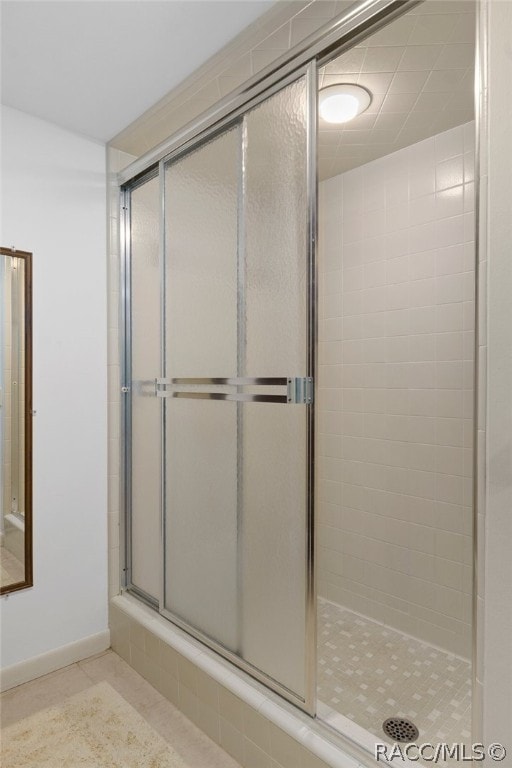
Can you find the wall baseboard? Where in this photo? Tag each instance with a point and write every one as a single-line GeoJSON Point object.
{"type": "Point", "coordinates": [52, 660]}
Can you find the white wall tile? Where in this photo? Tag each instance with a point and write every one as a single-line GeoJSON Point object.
{"type": "Point", "coordinates": [395, 419]}
{"type": "Point", "coordinates": [449, 143]}
{"type": "Point", "coordinates": [450, 202]}
{"type": "Point", "coordinates": [450, 172]}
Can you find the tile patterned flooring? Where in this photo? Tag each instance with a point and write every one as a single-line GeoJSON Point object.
{"type": "Point", "coordinates": [196, 749]}
{"type": "Point", "coordinates": [369, 672]}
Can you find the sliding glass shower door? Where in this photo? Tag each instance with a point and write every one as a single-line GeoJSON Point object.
{"type": "Point", "coordinates": [236, 388]}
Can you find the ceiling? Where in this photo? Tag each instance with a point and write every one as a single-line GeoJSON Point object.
{"type": "Point", "coordinates": [94, 66]}
{"type": "Point", "coordinates": [420, 71]}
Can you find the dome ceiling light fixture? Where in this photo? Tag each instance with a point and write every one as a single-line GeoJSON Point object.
{"type": "Point", "coordinates": [342, 102]}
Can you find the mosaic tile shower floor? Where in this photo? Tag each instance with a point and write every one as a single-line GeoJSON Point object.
{"type": "Point", "coordinates": [369, 672]}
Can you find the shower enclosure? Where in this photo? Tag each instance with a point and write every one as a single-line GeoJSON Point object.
{"type": "Point", "coordinates": [221, 397]}
{"type": "Point", "coordinates": [219, 386]}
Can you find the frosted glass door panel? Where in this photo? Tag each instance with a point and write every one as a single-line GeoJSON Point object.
{"type": "Point", "coordinates": [274, 541]}
{"type": "Point", "coordinates": [276, 214]}
{"type": "Point", "coordinates": [201, 214]}
{"type": "Point", "coordinates": [274, 445]}
{"type": "Point", "coordinates": [201, 521]}
{"type": "Point", "coordinates": [145, 410]}
{"type": "Point", "coordinates": [236, 509]}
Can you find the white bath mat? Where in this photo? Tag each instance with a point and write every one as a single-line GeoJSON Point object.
{"type": "Point", "coordinates": [96, 728]}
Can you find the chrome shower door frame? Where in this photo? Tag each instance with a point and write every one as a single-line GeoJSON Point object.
{"type": "Point", "coordinates": [308, 703]}
{"type": "Point", "coordinates": [308, 72]}
{"type": "Point", "coordinates": [335, 37]}
{"type": "Point", "coordinates": [126, 393]}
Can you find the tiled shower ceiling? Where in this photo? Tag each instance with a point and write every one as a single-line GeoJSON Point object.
{"type": "Point", "coordinates": [420, 71]}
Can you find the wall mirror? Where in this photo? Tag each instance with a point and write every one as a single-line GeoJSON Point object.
{"type": "Point", "coordinates": [15, 420]}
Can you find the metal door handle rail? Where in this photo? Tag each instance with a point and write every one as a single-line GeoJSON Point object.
{"type": "Point", "coordinates": [231, 382]}
{"type": "Point", "coordinates": [299, 390]}
{"type": "Point", "coordinates": [238, 397]}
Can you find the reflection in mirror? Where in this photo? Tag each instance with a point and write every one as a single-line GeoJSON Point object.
{"type": "Point", "coordinates": [15, 420]}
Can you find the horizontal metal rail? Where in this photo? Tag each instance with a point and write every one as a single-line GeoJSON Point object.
{"type": "Point", "coordinates": [236, 382]}
{"type": "Point", "coordinates": [238, 397]}
{"type": "Point", "coordinates": [299, 390]}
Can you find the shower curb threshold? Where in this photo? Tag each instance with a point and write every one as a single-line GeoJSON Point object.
{"type": "Point", "coordinates": [337, 750]}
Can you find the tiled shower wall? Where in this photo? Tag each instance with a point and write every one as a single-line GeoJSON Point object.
{"type": "Point", "coordinates": [396, 389]}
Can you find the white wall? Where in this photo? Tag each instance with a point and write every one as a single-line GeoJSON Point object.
{"type": "Point", "coordinates": [494, 640]}
{"type": "Point", "coordinates": [54, 204]}
{"type": "Point", "coordinates": [396, 389]}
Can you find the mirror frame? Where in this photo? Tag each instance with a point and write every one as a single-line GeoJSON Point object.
{"type": "Point", "coordinates": [28, 581]}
